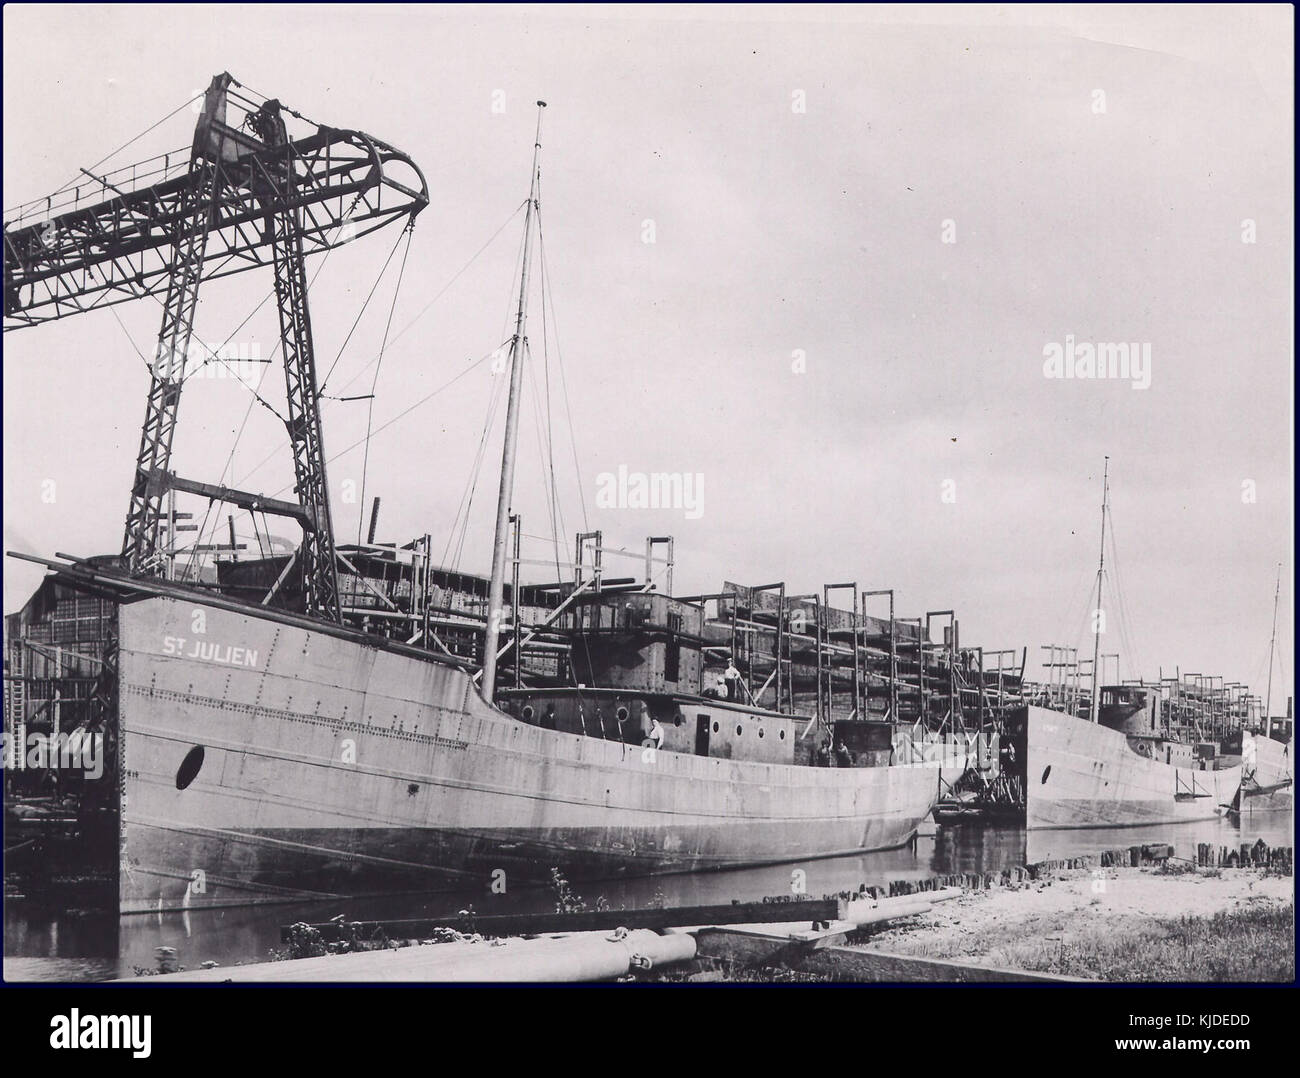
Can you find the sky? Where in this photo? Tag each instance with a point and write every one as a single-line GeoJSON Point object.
{"type": "Point", "coordinates": [813, 259]}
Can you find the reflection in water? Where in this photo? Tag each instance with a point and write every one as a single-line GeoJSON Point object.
{"type": "Point", "coordinates": [41, 944]}
{"type": "Point", "coordinates": [1276, 828]}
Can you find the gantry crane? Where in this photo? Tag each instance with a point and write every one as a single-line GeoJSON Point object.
{"type": "Point", "coordinates": [248, 194]}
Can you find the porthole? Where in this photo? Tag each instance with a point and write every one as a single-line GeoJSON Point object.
{"type": "Point", "coordinates": [189, 769]}
{"type": "Point", "coordinates": [760, 731]}
{"type": "Point", "coordinates": [621, 714]}
{"type": "Point", "coordinates": [528, 713]}
{"type": "Point", "coordinates": [739, 729]}
{"type": "Point", "coordinates": [782, 735]}
{"type": "Point", "coordinates": [677, 721]}
{"type": "Point", "coordinates": [715, 727]}
{"type": "Point", "coordinates": [1046, 771]}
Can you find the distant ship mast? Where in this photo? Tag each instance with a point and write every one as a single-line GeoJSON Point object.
{"type": "Point", "coordinates": [1272, 645]}
{"type": "Point", "coordinates": [518, 343]}
{"type": "Point", "coordinates": [1097, 614]}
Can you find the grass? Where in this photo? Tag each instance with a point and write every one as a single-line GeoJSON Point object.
{"type": "Point", "coordinates": [1253, 944]}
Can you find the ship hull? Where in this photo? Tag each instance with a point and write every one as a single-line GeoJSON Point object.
{"type": "Point", "coordinates": [266, 761]}
{"type": "Point", "coordinates": [1268, 780]}
{"type": "Point", "coordinates": [1081, 774]}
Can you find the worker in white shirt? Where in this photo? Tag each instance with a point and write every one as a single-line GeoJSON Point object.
{"type": "Point", "coordinates": [656, 733]}
{"type": "Point", "coordinates": [732, 681]}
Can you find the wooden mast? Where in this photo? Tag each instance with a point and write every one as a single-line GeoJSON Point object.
{"type": "Point", "coordinates": [1272, 644]}
{"type": "Point", "coordinates": [518, 343]}
{"type": "Point", "coordinates": [1097, 614]}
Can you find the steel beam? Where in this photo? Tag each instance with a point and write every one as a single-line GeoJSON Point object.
{"type": "Point", "coordinates": [140, 546]}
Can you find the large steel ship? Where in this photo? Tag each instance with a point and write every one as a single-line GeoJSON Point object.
{"type": "Point", "coordinates": [270, 744]}
{"type": "Point", "coordinates": [1120, 771]}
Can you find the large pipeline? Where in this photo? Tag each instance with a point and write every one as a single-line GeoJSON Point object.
{"type": "Point", "coordinates": [588, 956]}
{"type": "Point", "coordinates": [868, 911]}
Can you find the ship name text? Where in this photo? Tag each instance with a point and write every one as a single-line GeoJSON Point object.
{"type": "Point", "coordinates": [209, 652]}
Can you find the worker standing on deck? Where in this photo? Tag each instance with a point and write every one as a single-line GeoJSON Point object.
{"type": "Point", "coordinates": [732, 680]}
{"type": "Point", "coordinates": [656, 734]}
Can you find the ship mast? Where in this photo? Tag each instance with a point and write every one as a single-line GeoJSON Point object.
{"type": "Point", "coordinates": [1272, 644]}
{"type": "Point", "coordinates": [518, 343]}
{"type": "Point", "coordinates": [1097, 614]}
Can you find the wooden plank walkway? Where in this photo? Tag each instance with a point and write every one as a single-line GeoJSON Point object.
{"type": "Point", "coordinates": [536, 924]}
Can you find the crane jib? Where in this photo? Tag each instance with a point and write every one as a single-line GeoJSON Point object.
{"type": "Point", "coordinates": [248, 195]}
{"type": "Point", "coordinates": [108, 243]}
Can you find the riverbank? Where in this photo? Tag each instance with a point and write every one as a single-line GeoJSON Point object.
{"type": "Point", "coordinates": [1114, 924]}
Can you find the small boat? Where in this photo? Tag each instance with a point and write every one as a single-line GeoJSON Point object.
{"type": "Point", "coordinates": [962, 808]}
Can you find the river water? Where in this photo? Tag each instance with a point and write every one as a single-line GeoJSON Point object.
{"type": "Point", "coordinates": [43, 944]}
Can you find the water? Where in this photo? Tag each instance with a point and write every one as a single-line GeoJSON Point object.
{"type": "Point", "coordinates": [42, 944]}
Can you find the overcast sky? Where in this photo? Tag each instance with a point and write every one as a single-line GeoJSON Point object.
{"type": "Point", "coordinates": [864, 400]}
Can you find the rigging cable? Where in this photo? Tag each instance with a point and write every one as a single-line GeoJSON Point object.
{"type": "Point", "coordinates": [243, 425]}
{"type": "Point", "coordinates": [129, 142]}
{"type": "Point", "coordinates": [548, 302]}
{"type": "Point", "coordinates": [1127, 634]}
{"type": "Point", "coordinates": [559, 355]}
{"type": "Point", "coordinates": [460, 524]}
{"type": "Point", "coordinates": [279, 448]}
{"type": "Point", "coordinates": [370, 406]}
{"type": "Point", "coordinates": [456, 276]}
{"type": "Point", "coordinates": [370, 295]}
{"type": "Point", "coordinates": [384, 426]}
{"type": "Point", "coordinates": [555, 509]}
{"type": "Point", "coordinates": [543, 454]}
{"type": "Point", "coordinates": [515, 357]}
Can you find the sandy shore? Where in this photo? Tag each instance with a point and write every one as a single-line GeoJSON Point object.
{"type": "Point", "coordinates": [1061, 922]}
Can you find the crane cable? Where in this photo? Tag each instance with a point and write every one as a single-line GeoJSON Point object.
{"type": "Point", "coordinates": [370, 405]}
{"type": "Point", "coordinates": [72, 182]}
{"type": "Point", "coordinates": [320, 266]}
{"type": "Point", "coordinates": [256, 394]}
{"type": "Point", "coordinates": [383, 269]}
{"type": "Point", "coordinates": [384, 426]}
{"type": "Point", "coordinates": [423, 400]}
{"type": "Point", "coordinates": [397, 336]}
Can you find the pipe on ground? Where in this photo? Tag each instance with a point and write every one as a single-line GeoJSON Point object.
{"type": "Point", "coordinates": [588, 956]}
{"type": "Point", "coordinates": [870, 911]}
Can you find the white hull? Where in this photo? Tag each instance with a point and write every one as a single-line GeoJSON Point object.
{"type": "Point", "coordinates": [331, 765]}
{"type": "Point", "coordinates": [1081, 774]}
{"type": "Point", "coordinates": [1268, 777]}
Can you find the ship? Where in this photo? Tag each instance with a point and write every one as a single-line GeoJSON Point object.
{"type": "Point", "coordinates": [1268, 772]}
{"type": "Point", "coordinates": [1267, 778]}
{"type": "Point", "coordinates": [269, 749]}
{"type": "Point", "coordinates": [1121, 770]}
{"type": "Point", "coordinates": [277, 757]}
{"type": "Point", "coordinates": [1126, 761]}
